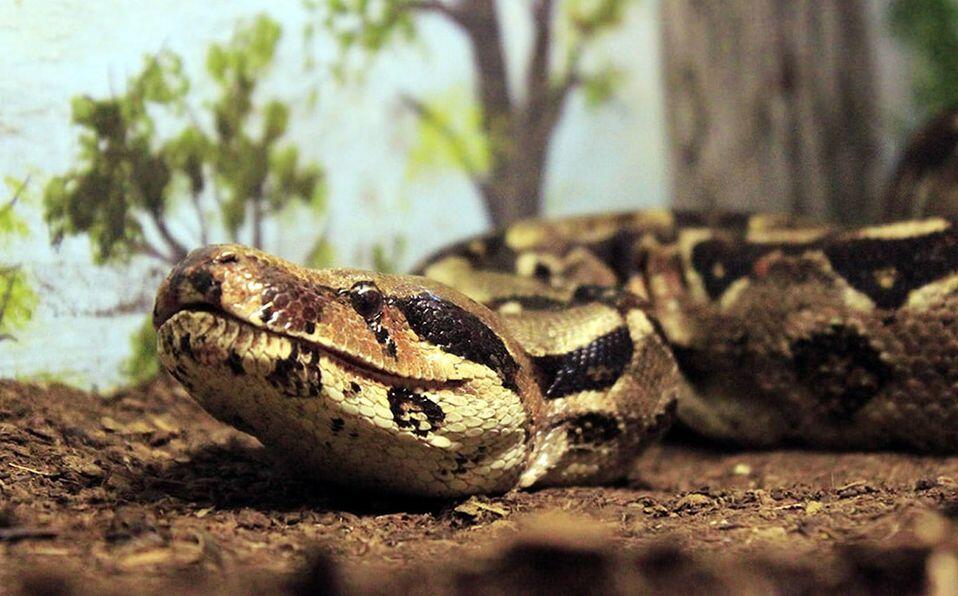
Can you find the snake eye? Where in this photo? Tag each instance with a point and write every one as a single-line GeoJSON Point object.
{"type": "Point", "coordinates": [366, 299]}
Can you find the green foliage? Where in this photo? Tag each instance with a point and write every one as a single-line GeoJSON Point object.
{"type": "Point", "coordinates": [17, 301]}
{"type": "Point", "coordinates": [930, 28]}
{"type": "Point", "coordinates": [12, 225]}
{"type": "Point", "coordinates": [248, 55]}
{"type": "Point", "coordinates": [593, 16]}
{"type": "Point", "coordinates": [128, 181]}
{"type": "Point", "coordinates": [386, 259]}
{"type": "Point", "coordinates": [321, 255]}
{"type": "Point", "coordinates": [120, 174]}
{"type": "Point", "coordinates": [600, 87]}
{"type": "Point", "coordinates": [142, 363]}
{"type": "Point", "coordinates": [17, 298]}
{"type": "Point", "coordinates": [250, 167]}
{"type": "Point", "coordinates": [581, 23]}
{"type": "Point", "coordinates": [364, 25]}
{"type": "Point", "coordinates": [453, 114]}
{"type": "Point", "coordinates": [187, 153]}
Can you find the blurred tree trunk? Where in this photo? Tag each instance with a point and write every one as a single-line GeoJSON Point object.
{"type": "Point", "coordinates": [517, 133]}
{"type": "Point", "coordinates": [772, 106]}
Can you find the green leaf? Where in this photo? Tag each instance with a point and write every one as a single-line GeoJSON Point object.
{"type": "Point", "coordinates": [264, 37]}
{"type": "Point", "coordinates": [599, 87]}
{"type": "Point", "coordinates": [322, 254]}
{"type": "Point", "coordinates": [162, 80]}
{"type": "Point", "coordinates": [276, 117]}
{"type": "Point", "coordinates": [125, 174]}
{"type": "Point", "coordinates": [81, 107]}
{"type": "Point", "coordinates": [248, 168]}
{"type": "Point", "coordinates": [142, 364]}
{"type": "Point", "coordinates": [449, 135]}
{"type": "Point", "coordinates": [930, 29]}
{"type": "Point", "coordinates": [362, 26]}
{"type": "Point", "coordinates": [122, 172]}
{"type": "Point", "coordinates": [594, 16]}
{"type": "Point", "coordinates": [11, 224]}
{"type": "Point", "coordinates": [17, 300]}
{"type": "Point", "coordinates": [216, 62]}
{"type": "Point", "coordinates": [187, 154]}
{"type": "Point", "coordinates": [387, 259]}
{"type": "Point", "coordinates": [248, 54]}
{"type": "Point", "coordinates": [318, 200]}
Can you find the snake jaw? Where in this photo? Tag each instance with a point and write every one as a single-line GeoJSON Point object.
{"type": "Point", "coordinates": [340, 422]}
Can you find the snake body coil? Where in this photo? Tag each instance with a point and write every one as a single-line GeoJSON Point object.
{"type": "Point", "coordinates": [551, 352]}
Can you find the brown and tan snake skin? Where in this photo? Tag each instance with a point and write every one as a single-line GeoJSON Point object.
{"type": "Point", "coordinates": [552, 352]}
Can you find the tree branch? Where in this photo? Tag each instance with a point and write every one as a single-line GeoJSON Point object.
{"type": "Point", "coordinates": [178, 249]}
{"type": "Point", "coordinates": [541, 49]}
{"type": "Point", "coordinates": [434, 6]}
{"type": "Point", "coordinates": [221, 204]}
{"type": "Point", "coordinates": [557, 95]}
{"type": "Point", "coordinates": [16, 194]}
{"type": "Point", "coordinates": [453, 139]}
{"type": "Point", "coordinates": [257, 221]}
{"type": "Point", "coordinates": [479, 20]}
{"type": "Point", "coordinates": [148, 250]}
{"type": "Point", "coordinates": [204, 229]}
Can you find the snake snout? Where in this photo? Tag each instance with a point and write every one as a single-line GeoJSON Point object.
{"type": "Point", "coordinates": [196, 281]}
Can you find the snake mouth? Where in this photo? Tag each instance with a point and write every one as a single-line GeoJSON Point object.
{"type": "Point", "coordinates": [210, 336]}
{"type": "Point", "coordinates": [160, 320]}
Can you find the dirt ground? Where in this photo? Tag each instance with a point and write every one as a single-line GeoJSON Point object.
{"type": "Point", "coordinates": [142, 492]}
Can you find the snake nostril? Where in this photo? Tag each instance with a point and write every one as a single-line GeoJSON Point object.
{"type": "Point", "coordinates": [202, 281]}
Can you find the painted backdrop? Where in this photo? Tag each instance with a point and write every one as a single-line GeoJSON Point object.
{"type": "Point", "coordinates": [335, 133]}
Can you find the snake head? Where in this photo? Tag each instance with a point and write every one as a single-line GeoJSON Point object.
{"type": "Point", "coordinates": [358, 375]}
{"type": "Point", "coordinates": [406, 326]}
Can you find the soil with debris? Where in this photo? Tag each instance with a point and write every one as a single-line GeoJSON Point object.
{"type": "Point", "coordinates": [142, 492]}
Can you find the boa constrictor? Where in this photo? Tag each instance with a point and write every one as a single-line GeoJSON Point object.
{"type": "Point", "coordinates": [551, 352]}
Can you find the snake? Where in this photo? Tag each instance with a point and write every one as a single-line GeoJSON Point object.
{"type": "Point", "coordinates": [552, 352]}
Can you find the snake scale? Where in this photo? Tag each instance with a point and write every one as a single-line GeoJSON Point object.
{"type": "Point", "coordinates": [553, 351]}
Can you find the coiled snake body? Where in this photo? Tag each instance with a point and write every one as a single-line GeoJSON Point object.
{"type": "Point", "coordinates": [551, 352]}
